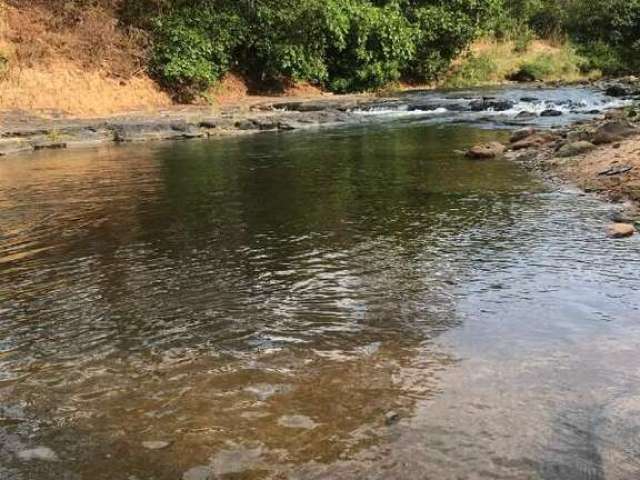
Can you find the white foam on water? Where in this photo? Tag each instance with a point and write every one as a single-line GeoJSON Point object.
{"type": "Point", "coordinates": [399, 112]}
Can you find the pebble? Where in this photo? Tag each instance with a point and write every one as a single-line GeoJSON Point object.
{"type": "Point", "coordinates": [198, 473]}
{"type": "Point", "coordinates": [157, 445]}
{"type": "Point", "coordinates": [391, 417]}
{"type": "Point", "coordinates": [44, 454]}
{"type": "Point", "coordinates": [297, 421]}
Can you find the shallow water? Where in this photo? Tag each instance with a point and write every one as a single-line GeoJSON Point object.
{"type": "Point", "coordinates": [339, 304]}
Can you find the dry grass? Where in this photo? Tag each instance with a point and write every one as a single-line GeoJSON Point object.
{"type": "Point", "coordinates": [77, 62]}
{"type": "Point", "coordinates": [65, 88]}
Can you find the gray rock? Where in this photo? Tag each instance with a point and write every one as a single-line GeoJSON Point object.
{"type": "Point", "coordinates": [489, 104]}
{"type": "Point", "coordinates": [161, 130]}
{"type": "Point", "coordinates": [521, 134]}
{"type": "Point", "coordinates": [613, 131]}
{"type": "Point", "coordinates": [524, 115]}
{"type": "Point", "coordinates": [48, 144]}
{"type": "Point", "coordinates": [617, 91]}
{"type": "Point", "coordinates": [575, 148]}
{"type": "Point", "coordinates": [551, 113]}
{"type": "Point", "coordinates": [43, 454]}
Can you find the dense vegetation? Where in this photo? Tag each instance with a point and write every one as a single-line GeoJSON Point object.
{"type": "Point", "coordinates": [354, 45]}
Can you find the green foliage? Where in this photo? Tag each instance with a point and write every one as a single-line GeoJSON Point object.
{"type": "Point", "coordinates": [194, 48]}
{"type": "Point", "coordinates": [353, 45]}
{"type": "Point", "coordinates": [442, 34]}
{"type": "Point", "coordinates": [609, 33]}
{"type": "Point", "coordinates": [604, 57]}
{"type": "Point", "coordinates": [538, 69]}
{"type": "Point", "coordinates": [343, 45]}
{"type": "Point", "coordinates": [375, 47]}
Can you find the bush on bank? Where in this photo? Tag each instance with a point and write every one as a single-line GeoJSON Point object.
{"type": "Point", "coordinates": [356, 45]}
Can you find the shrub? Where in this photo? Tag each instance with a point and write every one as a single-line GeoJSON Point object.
{"type": "Point", "coordinates": [441, 35]}
{"type": "Point", "coordinates": [375, 47]}
{"type": "Point", "coordinates": [604, 58]}
{"type": "Point", "coordinates": [194, 48]}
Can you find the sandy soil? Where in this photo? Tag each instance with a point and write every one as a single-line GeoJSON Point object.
{"type": "Point", "coordinates": [610, 169]}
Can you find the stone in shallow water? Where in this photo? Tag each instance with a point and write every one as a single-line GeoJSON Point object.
{"type": "Point", "coordinates": [391, 417]}
{"type": "Point", "coordinates": [264, 391]}
{"type": "Point", "coordinates": [198, 473]}
{"type": "Point", "coordinates": [621, 230]}
{"type": "Point", "coordinates": [297, 421]}
{"type": "Point", "coordinates": [44, 454]}
{"type": "Point", "coordinates": [486, 151]}
{"type": "Point", "coordinates": [236, 460]}
{"type": "Point", "coordinates": [155, 445]}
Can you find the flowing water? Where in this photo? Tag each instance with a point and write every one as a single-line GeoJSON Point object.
{"type": "Point", "coordinates": [354, 303]}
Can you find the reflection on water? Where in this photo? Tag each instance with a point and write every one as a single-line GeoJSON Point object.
{"type": "Point", "coordinates": [358, 303]}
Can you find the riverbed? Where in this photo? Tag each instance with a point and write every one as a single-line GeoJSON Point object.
{"type": "Point", "coordinates": [344, 303]}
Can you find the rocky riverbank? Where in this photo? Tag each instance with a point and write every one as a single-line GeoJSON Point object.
{"type": "Point", "coordinates": [600, 156]}
{"type": "Point", "coordinates": [22, 132]}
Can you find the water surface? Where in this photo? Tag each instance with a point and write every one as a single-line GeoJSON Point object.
{"type": "Point", "coordinates": [337, 304]}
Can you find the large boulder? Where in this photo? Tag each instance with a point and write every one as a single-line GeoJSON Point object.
{"type": "Point", "coordinates": [486, 151]}
{"type": "Point", "coordinates": [575, 148]}
{"type": "Point", "coordinates": [613, 131]}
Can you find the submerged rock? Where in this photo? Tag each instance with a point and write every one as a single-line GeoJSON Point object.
{"type": "Point", "coordinates": [297, 421]}
{"type": "Point", "coordinates": [156, 445]}
{"type": "Point", "coordinates": [621, 230]}
{"type": "Point", "coordinates": [486, 151]}
{"type": "Point", "coordinates": [44, 454]}
{"type": "Point", "coordinates": [551, 113]}
{"type": "Point", "coordinates": [575, 148]}
{"type": "Point", "coordinates": [198, 473]}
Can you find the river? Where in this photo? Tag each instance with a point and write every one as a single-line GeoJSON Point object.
{"type": "Point", "coordinates": [346, 303]}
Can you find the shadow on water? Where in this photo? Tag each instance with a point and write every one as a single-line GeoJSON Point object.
{"type": "Point", "coordinates": [334, 304]}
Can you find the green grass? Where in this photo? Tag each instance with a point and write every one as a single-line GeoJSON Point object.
{"type": "Point", "coordinates": [491, 62]}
